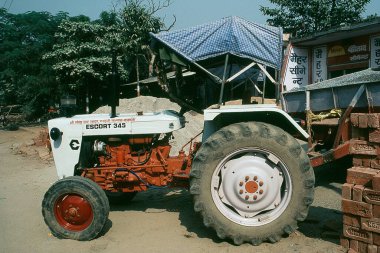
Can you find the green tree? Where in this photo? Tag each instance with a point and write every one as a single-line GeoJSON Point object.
{"type": "Point", "coordinates": [24, 78]}
{"type": "Point", "coordinates": [82, 55]}
{"type": "Point", "coordinates": [304, 17]}
{"type": "Point", "coordinates": [138, 19]}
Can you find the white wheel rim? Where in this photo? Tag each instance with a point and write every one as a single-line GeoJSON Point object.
{"type": "Point", "coordinates": [251, 186]}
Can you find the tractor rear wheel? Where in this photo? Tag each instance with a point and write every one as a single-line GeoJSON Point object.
{"type": "Point", "coordinates": [252, 182]}
{"type": "Point", "coordinates": [75, 208]}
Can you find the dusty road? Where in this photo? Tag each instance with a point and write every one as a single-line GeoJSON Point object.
{"type": "Point", "coordinates": [155, 221]}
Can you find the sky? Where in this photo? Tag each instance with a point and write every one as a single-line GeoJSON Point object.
{"type": "Point", "coordinates": [188, 12]}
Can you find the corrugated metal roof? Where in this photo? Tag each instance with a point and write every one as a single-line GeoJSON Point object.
{"type": "Point", "coordinates": [360, 77]}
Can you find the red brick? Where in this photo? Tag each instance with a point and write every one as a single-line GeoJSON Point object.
{"type": "Point", "coordinates": [357, 234]}
{"type": "Point", "coordinates": [375, 163]}
{"type": "Point", "coordinates": [374, 136]}
{"type": "Point", "coordinates": [351, 220]}
{"type": "Point", "coordinates": [360, 176]}
{"type": "Point", "coordinates": [357, 193]}
{"type": "Point", "coordinates": [357, 161]}
{"type": "Point", "coordinates": [347, 191]}
{"type": "Point", "coordinates": [371, 196]}
{"type": "Point", "coordinates": [363, 120]}
{"type": "Point", "coordinates": [372, 249]}
{"type": "Point", "coordinates": [376, 211]}
{"type": "Point", "coordinates": [372, 224]}
{"type": "Point", "coordinates": [376, 239]}
{"type": "Point", "coordinates": [354, 245]}
{"type": "Point", "coordinates": [344, 242]}
{"type": "Point", "coordinates": [354, 118]}
{"type": "Point", "coordinates": [373, 120]}
{"type": "Point", "coordinates": [376, 182]}
{"type": "Point", "coordinates": [359, 147]}
{"type": "Point", "coordinates": [363, 247]}
{"type": "Point", "coordinates": [357, 208]}
{"type": "Point", "coordinates": [367, 162]}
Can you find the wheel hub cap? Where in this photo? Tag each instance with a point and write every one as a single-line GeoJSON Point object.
{"type": "Point", "coordinates": [243, 185]}
{"type": "Point", "coordinates": [251, 187]}
{"type": "Point", "coordinates": [73, 212]}
{"type": "Point", "coordinates": [247, 187]}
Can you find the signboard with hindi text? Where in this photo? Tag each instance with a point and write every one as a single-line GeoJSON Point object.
{"type": "Point", "coordinates": [354, 50]}
{"type": "Point", "coordinates": [319, 64]}
{"type": "Point", "coordinates": [296, 72]}
{"type": "Point", "coordinates": [375, 52]}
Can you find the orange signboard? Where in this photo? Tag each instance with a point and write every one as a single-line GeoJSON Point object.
{"type": "Point", "coordinates": [352, 50]}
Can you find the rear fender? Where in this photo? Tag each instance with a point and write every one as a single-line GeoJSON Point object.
{"type": "Point", "coordinates": [215, 119]}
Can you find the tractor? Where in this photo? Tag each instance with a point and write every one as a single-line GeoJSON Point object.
{"type": "Point", "coordinates": [250, 178]}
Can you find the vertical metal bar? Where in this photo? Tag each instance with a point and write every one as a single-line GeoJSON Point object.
{"type": "Point", "coordinates": [369, 100]}
{"type": "Point", "coordinates": [307, 106]}
{"type": "Point", "coordinates": [138, 76]}
{"type": "Point", "coordinates": [308, 119]}
{"type": "Point", "coordinates": [87, 100]}
{"type": "Point", "coordinates": [264, 85]}
{"type": "Point", "coordinates": [334, 98]}
{"type": "Point", "coordinates": [114, 89]}
{"type": "Point", "coordinates": [224, 80]}
{"type": "Point", "coordinates": [277, 87]}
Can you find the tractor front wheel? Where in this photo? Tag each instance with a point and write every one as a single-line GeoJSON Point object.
{"type": "Point", "coordinates": [75, 208]}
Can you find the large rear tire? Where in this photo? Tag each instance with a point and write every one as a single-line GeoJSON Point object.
{"type": "Point", "coordinates": [252, 182]}
{"type": "Point", "coordinates": [75, 208]}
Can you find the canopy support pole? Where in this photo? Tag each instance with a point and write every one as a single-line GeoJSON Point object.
{"type": "Point", "coordinates": [213, 77]}
{"type": "Point", "coordinates": [264, 86]}
{"type": "Point", "coordinates": [224, 80]}
{"type": "Point", "coordinates": [267, 74]}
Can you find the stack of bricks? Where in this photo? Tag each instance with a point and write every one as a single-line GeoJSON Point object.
{"type": "Point", "coordinates": [361, 192]}
{"type": "Point", "coordinates": [366, 136]}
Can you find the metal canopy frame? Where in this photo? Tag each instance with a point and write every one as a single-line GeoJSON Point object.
{"type": "Point", "coordinates": [223, 82]}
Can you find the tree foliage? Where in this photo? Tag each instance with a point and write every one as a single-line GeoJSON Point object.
{"type": "Point", "coordinates": [44, 56]}
{"type": "Point", "coordinates": [24, 78]}
{"type": "Point", "coordinates": [138, 19]}
{"type": "Point", "coordinates": [304, 17]}
{"type": "Point", "coordinates": [82, 56]}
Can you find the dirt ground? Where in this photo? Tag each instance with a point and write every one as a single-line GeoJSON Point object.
{"type": "Point", "coordinates": [155, 221]}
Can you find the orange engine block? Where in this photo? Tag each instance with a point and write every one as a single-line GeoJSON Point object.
{"type": "Point", "coordinates": [135, 164]}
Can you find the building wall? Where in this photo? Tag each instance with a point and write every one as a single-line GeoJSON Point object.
{"type": "Point", "coordinates": [329, 60]}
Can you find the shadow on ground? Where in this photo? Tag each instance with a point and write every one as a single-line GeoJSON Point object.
{"type": "Point", "coordinates": [323, 223]}
{"type": "Point", "coordinates": [171, 200]}
{"type": "Point", "coordinates": [334, 172]}
{"type": "Point", "coordinates": [324, 220]}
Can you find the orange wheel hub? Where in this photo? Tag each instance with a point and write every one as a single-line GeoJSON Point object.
{"type": "Point", "coordinates": [73, 212]}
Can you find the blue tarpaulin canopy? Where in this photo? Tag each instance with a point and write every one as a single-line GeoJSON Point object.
{"type": "Point", "coordinates": [231, 35]}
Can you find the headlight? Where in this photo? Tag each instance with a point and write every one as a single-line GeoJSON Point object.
{"type": "Point", "coordinates": [55, 133]}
